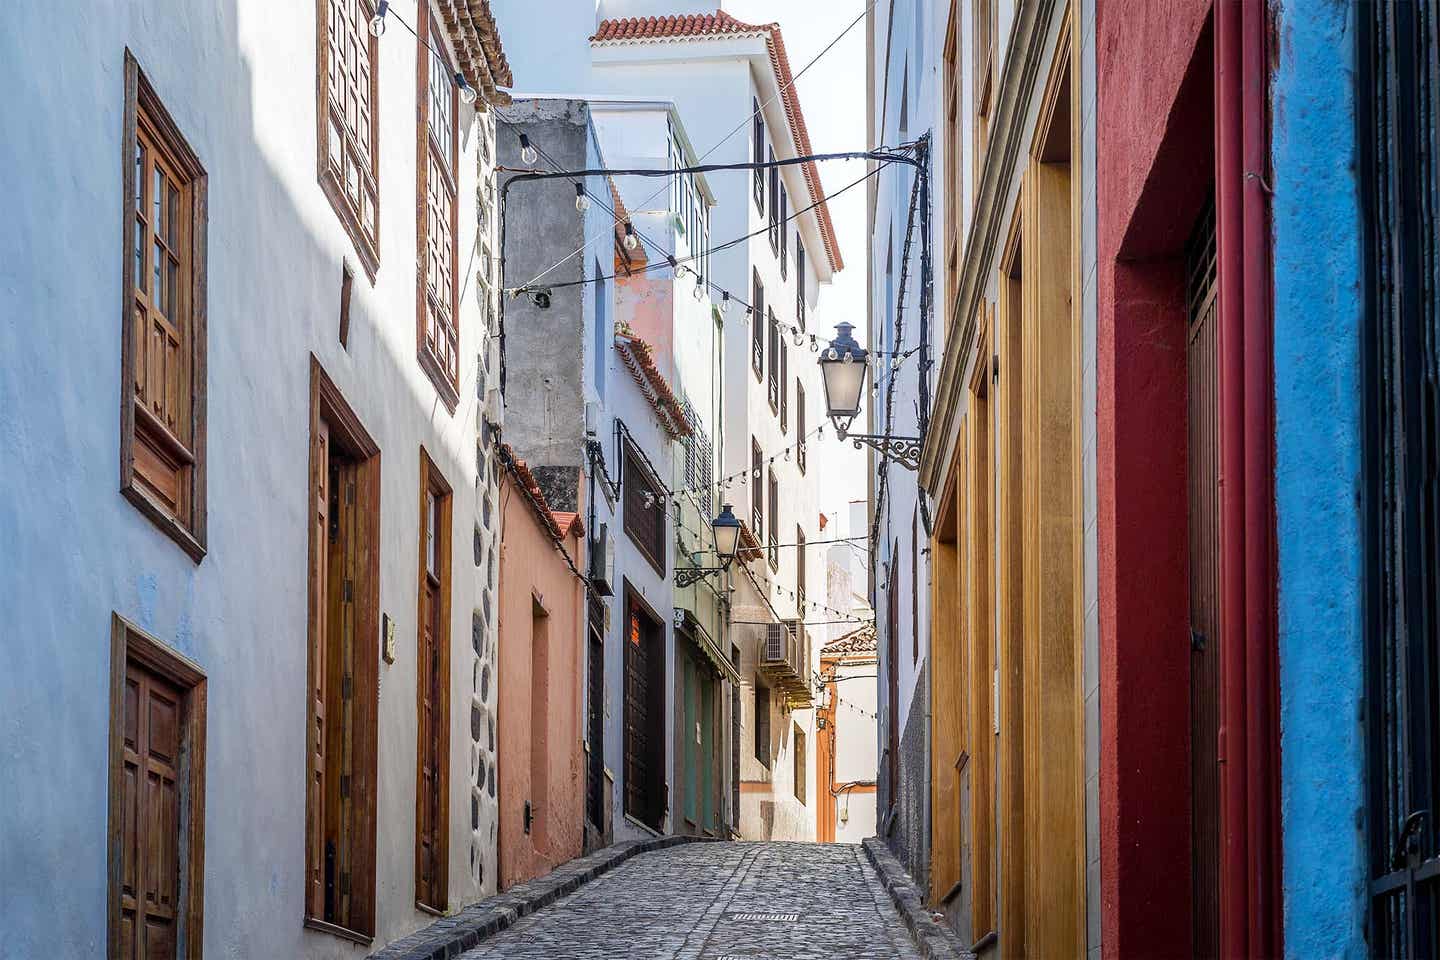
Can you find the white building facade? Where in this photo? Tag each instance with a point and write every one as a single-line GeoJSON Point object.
{"type": "Point", "coordinates": [233, 615]}
{"type": "Point", "coordinates": [731, 83]}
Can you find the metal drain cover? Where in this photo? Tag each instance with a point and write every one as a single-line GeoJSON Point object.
{"type": "Point", "coordinates": [764, 917]}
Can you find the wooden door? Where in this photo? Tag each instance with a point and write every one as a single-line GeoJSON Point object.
{"type": "Point", "coordinates": [319, 575]}
{"type": "Point", "coordinates": [640, 716]}
{"type": "Point", "coordinates": [427, 812]}
{"type": "Point", "coordinates": [1203, 459]}
{"type": "Point", "coordinates": [595, 776]}
{"type": "Point", "coordinates": [689, 740]}
{"type": "Point", "coordinates": [150, 824]}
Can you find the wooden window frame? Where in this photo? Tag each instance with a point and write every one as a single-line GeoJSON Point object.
{"type": "Point", "coordinates": [783, 218]}
{"type": "Point", "coordinates": [953, 147]}
{"type": "Point", "coordinates": [799, 281]}
{"type": "Point", "coordinates": [800, 570]}
{"type": "Point", "coordinates": [757, 325]}
{"type": "Point", "coordinates": [773, 225]}
{"type": "Point", "coordinates": [762, 725]}
{"type": "Point", "coordinates": [772, 382]}
{"type": "Point", "coordinates": [773, 522]}
{"type": "Point", "coordinates": [633, 466]}
{"type": "Point", "coordinates": [784, 383]}
{"type": "Point", "coordinates": [800, 761]}
{"type": "Point", "coordinates": [331, 182]}
{"type": "Point", "coordinates": [757, 139]}
{"type": "Point", "coordinates": [757, 493]}
{"type": "Point", "coordinates": [433, 484]}
{"type": "Point", "coordinates": [801, 439]}
{"type": "Point", "coordinates": [430, 152]}
{"type": "Point", "coordinates": [143, 431]}
{"type": "Point", "coordinates": [129, 643]}
{"type": "Point", "coordinates": [329, 405]}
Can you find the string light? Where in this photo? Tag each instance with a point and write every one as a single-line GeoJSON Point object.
{"type": "Point", "coordinates": [582, 201]}
{"type": "Point", "coordinates": [528, 154]}
{"type": "Point", "coordinates": [377, 22]}
{"type": "Point", "coordinates": [631, 241]}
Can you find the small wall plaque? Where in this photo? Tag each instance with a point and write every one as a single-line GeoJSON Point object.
{"type": "Point", "coordinates": [387, 639]}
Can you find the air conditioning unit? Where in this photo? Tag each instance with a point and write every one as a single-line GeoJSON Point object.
{"type": "Point", "coordinates": [776, 635]}
{"type": "Point", "coordinates": [495, 406]}
{"type": "Point", "coordinates": [602, 561]}
{"type": "Point", "coordinates": [592, 419]}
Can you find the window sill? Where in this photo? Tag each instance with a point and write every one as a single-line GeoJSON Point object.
{"type": "Point", "coordinates": [367, 252]}
{"type": "Point", "coordinates": [449, 393]}
{"type": "Point", "coordinates": [335, 930]}
{"type": "Point", "coordinates": [166, 521]}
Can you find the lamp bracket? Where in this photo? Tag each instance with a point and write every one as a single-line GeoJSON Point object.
{"type": "Point", "coordinates": [689, 576]}
{"type": "Point", "coordinates": [904, 450]}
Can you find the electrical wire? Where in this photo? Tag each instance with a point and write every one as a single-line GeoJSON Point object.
{"type": "Point", "coordinates": [740, 126]}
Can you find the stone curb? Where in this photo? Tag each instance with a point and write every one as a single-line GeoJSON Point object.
{"type": "Point", "coordinates": [465, 929]}
{"type": "Point", "coordinates": [934, 940]}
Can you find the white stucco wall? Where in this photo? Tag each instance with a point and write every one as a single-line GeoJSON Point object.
{"type": "Point", "coordinates": [240, 83]}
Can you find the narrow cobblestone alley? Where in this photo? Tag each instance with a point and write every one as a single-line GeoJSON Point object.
{"type": "Point", "coordinates": [710, 901]}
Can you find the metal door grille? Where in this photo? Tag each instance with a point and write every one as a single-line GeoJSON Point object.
{"type": "Point", "coordinates": [1401, 352]}
{"type": "Point", "coordinates": [1203, 472]}
{"type": "Point", "coordinates": [595, 774]}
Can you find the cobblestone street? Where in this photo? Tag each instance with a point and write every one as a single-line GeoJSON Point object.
{"type": "Point", "coordinates": [710, 901]}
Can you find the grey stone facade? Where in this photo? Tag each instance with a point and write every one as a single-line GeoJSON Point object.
{"type": "Point", "coordinates": [908, 801]}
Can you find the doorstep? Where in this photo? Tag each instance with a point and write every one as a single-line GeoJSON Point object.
{"type": "Point", "coordinates": [471, 925]}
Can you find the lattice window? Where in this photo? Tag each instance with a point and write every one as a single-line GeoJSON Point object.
{"type": "Point", "coordinates": [162, 447]}
{"type": "Point", "coordinates": [346, 108]}
{"type": "Point", "coordinates": [439, 293]}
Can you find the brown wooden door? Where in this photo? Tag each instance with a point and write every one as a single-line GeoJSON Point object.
{"type": "Point", "coordinates": [644, 719]}
{"type": "Point", "coordinates": [1204, 523]}
{"type": "Point", "coordinates": [315, 799]}
{"type": "Point", "coordinates": [427, 811]}
{"type": "Point", "coordinates": [150, 800]}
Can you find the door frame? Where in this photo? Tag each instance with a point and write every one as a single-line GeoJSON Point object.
{"type": "Point", "coordinates": [129, 643]}
{"type": "Point", "coordinates": [433, 483]}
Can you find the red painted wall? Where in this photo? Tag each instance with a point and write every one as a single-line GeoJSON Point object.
{"type": "Point", "coordinates": [531, 568]}
{"type": "Point", "coordinates": [1154, 141]}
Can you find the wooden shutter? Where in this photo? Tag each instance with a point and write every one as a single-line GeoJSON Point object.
{"type": "Point", "coordinates": [162, 441]}
{"type": "Point", "coordinates": [762, 721]}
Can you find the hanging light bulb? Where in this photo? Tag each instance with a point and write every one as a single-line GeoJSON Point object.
{"type": "Point", "coordinates": [799, 338]}
{"type": "Point", "coordinates": [377, 22]}
{"type": "Point", "coordinates": [757, 474]}
{"type": "Point", "coordinates": [467, 92]}
{"type": "Point", "coordinates": [814, 344]}
{"type": "Point", "coordinates": [787, 454]}
{"type": "Point", "coordinates": [528, 154]}
{"type": "Point", "coordinates": [582, 201]}
{"type": "Point", "coordinates": [725, 304]}
{"type": "Point", "coordinates": [631, 241]}
{"type": "Point", "coordinates": [699, 288]}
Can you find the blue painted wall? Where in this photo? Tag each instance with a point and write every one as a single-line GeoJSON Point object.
{"type": "Point", "coordinates": [1317, 267]}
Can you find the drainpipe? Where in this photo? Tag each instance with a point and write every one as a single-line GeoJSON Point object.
{"type": "Point", "coordinates": [1249, 743]}
{"type": "Point", "coordinates": [1262, 655]}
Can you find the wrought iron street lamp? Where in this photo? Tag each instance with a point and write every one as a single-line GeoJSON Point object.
{"type": "Point", "coordinates": [843, 365]}
{"type": "Point", "coordinates": [726, 530]}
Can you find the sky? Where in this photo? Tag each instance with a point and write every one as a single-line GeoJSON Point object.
{"type": "Point", "coordinates": [832, 95]}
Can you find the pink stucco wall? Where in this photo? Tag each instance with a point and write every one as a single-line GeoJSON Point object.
{"type": "Point", "coordinates": [538, 739]}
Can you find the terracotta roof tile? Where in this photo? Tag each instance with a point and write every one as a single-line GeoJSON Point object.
{"type": "Point", "coordinates": [472, 30]}
{"type": "Point", "coordinates": [722, 24]}
{"type": "Point", "coordinates": [862, 640]}
{"type": "Point", "coordinates": [639, 358]}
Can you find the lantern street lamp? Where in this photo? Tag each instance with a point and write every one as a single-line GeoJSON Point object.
{"type": "Point", "coordinates": [726, 530]}
{"type": "Point", "coordinates": [843, 365]}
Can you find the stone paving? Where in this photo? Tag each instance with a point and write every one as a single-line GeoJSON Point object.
{"type": "Point", "coordinates": [713, 901]}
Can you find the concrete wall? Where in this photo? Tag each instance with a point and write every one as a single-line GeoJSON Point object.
{"type": "Point", "coordinates": [546, 347]}
{"type": "Point", "coordinates": [1318, 310]}
{"type": "Point", "coordinates": [542, 627]}
{"type": "Point", "coordinates": [240, 84]}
